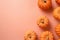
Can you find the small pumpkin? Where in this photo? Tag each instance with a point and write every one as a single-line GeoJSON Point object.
{"type": "Point", "coordinates": [43, 22]}
{"type": "Point", "coordinates": [46, 35]}
{"type": "Point", "coordinates": [57, 29]}
{"type": "Point", "coordinates": [56, 13]}
{"type": "Point", "coordinates": [30, 35]}
{"type": "Point", "coordinates": [58, 1]}
{"type": "Point", "coordinates": [45, 4]}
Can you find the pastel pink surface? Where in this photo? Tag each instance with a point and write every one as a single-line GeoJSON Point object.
{"type": "Point", "coordinates": [18, 16]}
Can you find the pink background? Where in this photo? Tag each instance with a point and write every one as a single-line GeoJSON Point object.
{"type": "Point", "coordinates": [18, 16]}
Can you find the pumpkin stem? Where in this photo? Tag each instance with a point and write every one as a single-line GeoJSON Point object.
{"type": "Point", "coordinates": [42, 21]}
{"type": "Point", "coordinates": [44, 1]}
{"type": "Point", "coordinates": [29, 36]}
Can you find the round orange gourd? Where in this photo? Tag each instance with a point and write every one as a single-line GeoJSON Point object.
{"type": "Point", "coordinates": [56, 13]}
{"type": "Point", "coordinates": [47, 35]}
{"type": "Point", "coordinates": [43, 22]}
{"type": "Point", "coordinates": [30, 35]}
{"type": "Point", "coordinates": [58, 1]}
{"type": "Point", "coordinates": [45, 4]}
{"type": "Point", "coordinates": [57, 29]}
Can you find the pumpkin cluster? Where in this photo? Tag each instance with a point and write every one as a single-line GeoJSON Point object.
{"type": "Point", "coordinates": [43, 22]}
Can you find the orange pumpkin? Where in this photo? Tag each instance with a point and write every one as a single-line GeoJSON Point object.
{"type": "Point", "coordinates": [58, 1]}
{"type": "Point", "coordinates": [30, 35]}
{"type": "Point", "coordinates": [57, 29]}
{"type": "Point", "coordinates": [43, 22]}
{"type": "Point", "coordinates": [56, 13]}
{"type": "Point", "coordinates": [47, 35]}
{"type": "Point", "coordinates": [45, 4]}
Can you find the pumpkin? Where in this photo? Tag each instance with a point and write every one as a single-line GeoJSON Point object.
{"type": "Point", "coordinates": [58, 1]}
{"type": "Point", "coordinates": [43, 22]}
{"type": "Point", "coordinates": [56, 13]}
{"type": "Point", "coordinates": [45, 4]}
{"type": "Point", "coordinates": [57, 29]}
{"type": "Point", "coordinates": [30, 35]}
{"type": "Point", "coordinates": [46, 35]}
